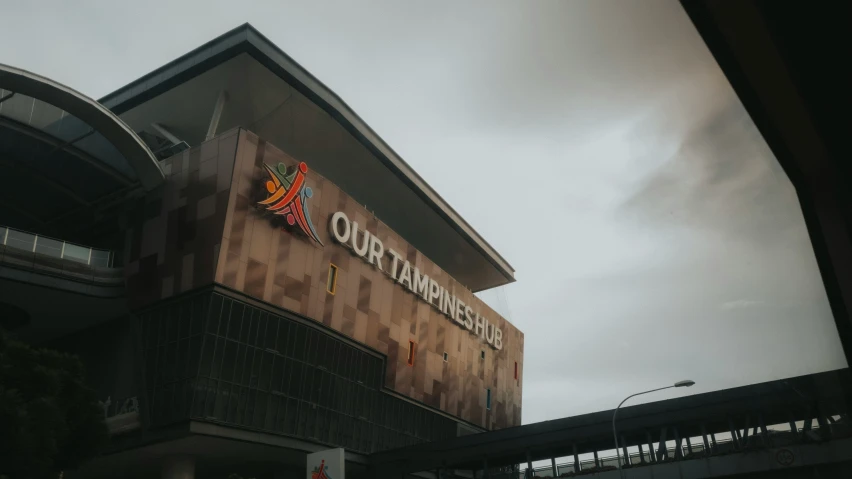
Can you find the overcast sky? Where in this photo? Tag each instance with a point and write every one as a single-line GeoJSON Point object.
{"type": "Point", "coordinates": [666, 242]}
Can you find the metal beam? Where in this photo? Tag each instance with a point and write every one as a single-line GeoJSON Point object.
{"type": "Point", "coordinates": [678, 443]}
{"type": "Point", "coordinates": [576, 459]}
{"type": "Point", "coordinates": [744, 436]}
{"type": "Point", "coordinates": [662, 450]}
{"type": "Point", "coordinates": [166, 133]}
{"type": "Point", "coordinates": [217, 115]}
{"type": "Point", "coordinates": [734, 434]}
{"type": "Point", "coordinates": [70, 142]}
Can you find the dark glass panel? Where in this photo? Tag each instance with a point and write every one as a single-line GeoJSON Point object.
{"type": "Point", "coordinates": [218, 354]}
{"type": "Point", "coordinates": [215, 314]}
{"type": "Point", "coordinates": [235, 321]}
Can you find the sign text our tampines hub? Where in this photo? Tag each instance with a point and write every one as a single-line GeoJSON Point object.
{"type": "Point", "coordinates": [370, 249]}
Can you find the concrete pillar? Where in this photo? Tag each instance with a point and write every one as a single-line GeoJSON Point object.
{"type": "Point", "coordinates": [178, 467]}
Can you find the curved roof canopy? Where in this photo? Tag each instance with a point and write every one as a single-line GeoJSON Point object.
{"type": "Point", "coordinates": [114, 143]}
{"type": "Point", "coordinates": [63, 155]}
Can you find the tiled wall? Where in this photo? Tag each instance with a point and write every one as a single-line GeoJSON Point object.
{"type": "Point", "coordinates": [173, 243]}
{"type": "Point", "coordinates": [206, 227]}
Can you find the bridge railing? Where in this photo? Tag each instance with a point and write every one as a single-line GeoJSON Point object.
{"type": "Point", "coordinates": [56, 248]}
{"type": "Point", "coordinates": [777, 435]}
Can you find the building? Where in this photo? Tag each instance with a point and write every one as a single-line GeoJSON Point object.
{"type": "Point", "coordinates": [262, 276]}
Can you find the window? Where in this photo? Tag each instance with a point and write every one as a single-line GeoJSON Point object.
{"type": "Point", "coordinates": [331, 285]}
{"type": "Point", "coordinates": [411, 353]}
{"type": "Point", "coordinates": [488, 399]}
{"type": "Point", "coordinates": [516, 370]}
{"type": "Point", "coordinates": [482, 354]}
{"type": "Point", "coordinates": [446, 356]}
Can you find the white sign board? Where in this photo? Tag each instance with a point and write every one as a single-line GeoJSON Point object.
{"type": "Point", "coordinates": [328, 464]}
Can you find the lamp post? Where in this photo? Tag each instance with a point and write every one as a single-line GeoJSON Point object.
{"type": "Point", "coordinates": [679, 384]}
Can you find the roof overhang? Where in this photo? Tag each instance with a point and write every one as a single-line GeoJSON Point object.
{"type": "Point", "coordinates": [787, 63]}
{"type": "Point", "coordinates": [246, 40]}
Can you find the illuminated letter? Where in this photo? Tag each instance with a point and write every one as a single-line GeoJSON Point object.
{"type": "Point", "coordinates": [363, 249]}
{"type": "Point", "coordinates": [405, 275]}
{"type": "Point", "coordinates": [333, 226]}
{"type": "Point", "coordinates": [377, 250]}
{"type": "Point", "coordinates": [498, 338]}
{"type": "Point", "coordinates": [458, 314]}
{"type": "Point", "coordinates": [421, 284]}
{"type": "Point", "coordinates": [479, 330]}
{"type": "Point", "coordinates": [434, 292]}
{"type": "Point", "coordinates": [468, 317]}
{"type": "Point", "coordinates": [489, 337]}
{"type": "Point", "coordinates": [396, 258]}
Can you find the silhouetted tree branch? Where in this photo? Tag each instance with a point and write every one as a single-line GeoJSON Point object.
{"type": "Point", "coordinates": [49, 418]}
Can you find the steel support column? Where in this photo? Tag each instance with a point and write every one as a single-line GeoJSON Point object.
{"type": "Point", "coordinates": [217, 115]}
{"type": "Point", "coordinates": [662, 450]}
{"type": "Point", "coordinates": [576, 460]}
{"type": "Point", "coordinates": [650, 447]}
{"type": "Point", "coordinates": [678, 443]}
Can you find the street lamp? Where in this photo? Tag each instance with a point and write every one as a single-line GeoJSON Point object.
{"type": "Point", "coordinates": [679, 384]}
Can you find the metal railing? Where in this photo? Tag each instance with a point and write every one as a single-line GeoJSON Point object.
{"type": "Point", "coordinates": [56, 248]}
{"type": "Point", "coordinates": [779, 435]}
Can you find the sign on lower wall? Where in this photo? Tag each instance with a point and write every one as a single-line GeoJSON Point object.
{"type": "Point", "coordinates": [328, 464]}
{"type": "Point", "coordinates": [370, 249]}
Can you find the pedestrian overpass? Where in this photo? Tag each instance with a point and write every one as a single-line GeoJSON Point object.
{"type": "Point", "coordinates": [770, 429]}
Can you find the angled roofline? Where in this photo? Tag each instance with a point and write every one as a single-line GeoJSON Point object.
{"type": "Point", "coordinates": [246, 39]}
{"type": "Point", "coordinates": [102, 120]}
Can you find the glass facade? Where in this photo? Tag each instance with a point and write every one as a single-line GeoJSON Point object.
{"type": "Point", "coordinates": [211, 357]}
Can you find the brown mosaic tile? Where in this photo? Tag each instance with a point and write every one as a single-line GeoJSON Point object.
{"type": "Point", "coordinates": [203, 226]}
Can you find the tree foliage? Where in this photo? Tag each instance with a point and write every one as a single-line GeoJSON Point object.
{"type": "Point", "coordinates": [50, 420]}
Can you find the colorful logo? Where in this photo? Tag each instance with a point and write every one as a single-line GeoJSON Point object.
{"type": "Point", "coordinates": [320, 472]}
{"type": "Point", "coordinates": [288, 196]}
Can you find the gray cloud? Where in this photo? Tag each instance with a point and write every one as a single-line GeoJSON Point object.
{"type": "Point", "coordinates": [655, 212]}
